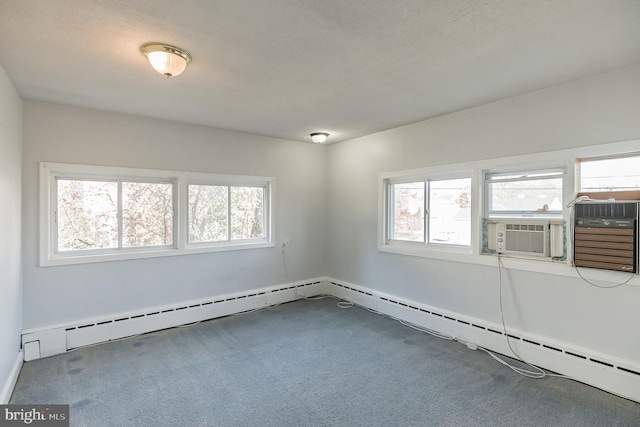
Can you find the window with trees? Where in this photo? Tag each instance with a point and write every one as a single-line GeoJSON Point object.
{"type": "Point", "coordinates": [224, 213]}
{"type": "Point", "coordinates": [97, 215]}
{"type": "Point", "coordinates": [91, 214]}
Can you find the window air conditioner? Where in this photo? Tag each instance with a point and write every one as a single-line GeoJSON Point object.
{"type": "Point", "coordinates": [531, 238]}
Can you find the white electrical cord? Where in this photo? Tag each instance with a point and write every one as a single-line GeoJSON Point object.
{"type": "Point", "coordinates": [537, 373]}
{"type": "Point", "coordinates": [604, 287]}
{"type": "Point", "coordinates": [342, 303]}
{"type": "Point", "coordinates": [571, 227]}
{"type": "Point", "coordinates": [578, 200]}
{"type": "Point", "coordinates": [425, 330]}
{"type": "Point", "coordinates": [416, 327]}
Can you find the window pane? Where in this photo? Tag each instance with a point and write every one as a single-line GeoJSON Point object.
{"type": "Point", "coordinates": [450, 211]}
{"type": "Point", "coordinates": [526, 196]}
{"type": "Point", "coordinates": [87, 215]}
{"type": "Point", "coordinates": [208, 213]}
{"type": "Point", "coordinates": [147, 214]}
{"type": "Point", "coordinates": [247, 212]}
{"type": "Point", "coordinates": [621, 174]}
{"type": "Point", "coordinates": [408, 211]}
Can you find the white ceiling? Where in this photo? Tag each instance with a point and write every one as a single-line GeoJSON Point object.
{"type": "Point", "coordinates": [286, 68]}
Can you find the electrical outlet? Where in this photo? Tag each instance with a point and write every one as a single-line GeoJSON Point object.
{"type": "Point", "coordinates": [285, 241]}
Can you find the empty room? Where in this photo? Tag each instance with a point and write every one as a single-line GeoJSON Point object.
{"type": "Point", "coordinates": [319, 213]}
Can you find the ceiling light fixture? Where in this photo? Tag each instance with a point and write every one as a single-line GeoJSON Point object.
{"type": "Point", "coordinates": [167, 60]}
{"type": "Point", "coordinates": [319, 137]}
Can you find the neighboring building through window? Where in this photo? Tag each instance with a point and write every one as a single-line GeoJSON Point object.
{"type": "Point", "coordinates": [610, 174]}
{"type": "Point", "coordinates": [524, 193]}
{"type": "Point", "coordinates": [430, 211]}
{"type": "Point", "coordinates": [518, 205]}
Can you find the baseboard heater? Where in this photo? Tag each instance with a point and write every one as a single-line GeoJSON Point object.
{"type": "Point", "coordinates": [58, 339]}
{"type": "Point", "coordinates": [620, 377]}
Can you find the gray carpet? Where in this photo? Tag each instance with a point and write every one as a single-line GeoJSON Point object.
{"type": "Point", "coordinates": [306, 363]}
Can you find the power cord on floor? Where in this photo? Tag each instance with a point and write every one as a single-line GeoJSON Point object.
{"type": "Point", "coordinates": [342, 303]}
{"type": "Point", "coordinates": [426, 330]}
{"type": "Point", "coordinates": [537, 373]}
{"type": "Point", "coordinates": [416, 327]}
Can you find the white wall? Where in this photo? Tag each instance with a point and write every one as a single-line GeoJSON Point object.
{"type": "Point", "coordinates": [597, 110]}
{"type": "Point", "coordinates": [591, 111]}
{"type": "Point", "coordinates": [55, 133]}
{"type": "Point", "coordinates": [10, 280]}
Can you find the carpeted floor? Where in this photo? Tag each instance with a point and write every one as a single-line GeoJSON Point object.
{"type": "Point", "coordinates": [306, 363]}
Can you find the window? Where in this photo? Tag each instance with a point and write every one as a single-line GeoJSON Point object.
{"type": "Point", "coordinates": [450, 211]}
{"type": "Point", "coordinates": [468, 212]}
{"type": "Point", "coordinates": [430, 211]}
{"type": "Point", "coordinates": [610, 174]}
{"type": "Point", "coordinates": [225, 213]}
{"type": "Point", "coordinates": [92, 214]}
{"type": "Point", "coordinates": [525, 194]}
{"type": "Point", "coordinates": [86, 215]}
{"type": "Point", "coordinates": [408, 211]}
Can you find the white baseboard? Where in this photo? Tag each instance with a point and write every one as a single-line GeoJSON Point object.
{"type": "Point", "coordinates": [56, 339]}
{"type": "Point", "coordinates": [617, 376]}
{"type": "Point", "coordinates": [11, 380]}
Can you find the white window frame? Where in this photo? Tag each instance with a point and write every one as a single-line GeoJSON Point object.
{"type": "Point", "coordinates": [119, 181]}
{"type": "Point", "coordinates": [553, 172]}
{"type": "Point", "coordinates": [49, 172]}
{"type": "Point", "coordinates": [535, 161]}
{"type": "Point", "coordinates": [578, 171]}
{"type": "Point", "coordinates": [387, 180]}
{"type": "Point", "coordinates": [230, 181]}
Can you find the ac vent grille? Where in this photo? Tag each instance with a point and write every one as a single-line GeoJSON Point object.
{"type": "Point", "coordinates": [525, 238]}
{"type": "Point", "coordinates": [525, 227]}
{"type": "Point", "coordinates": [606, 210]}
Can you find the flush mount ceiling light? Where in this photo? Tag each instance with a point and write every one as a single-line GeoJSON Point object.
{"type": "Point", "coordinates": [319, 137]}
{"type": "Point", "coordinates": [167, 60]}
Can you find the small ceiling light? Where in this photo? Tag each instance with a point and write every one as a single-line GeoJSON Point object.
{"type": "Point", "coordinates": [319, 137]}
{"type": "Point", "coordinates": [167, 60]}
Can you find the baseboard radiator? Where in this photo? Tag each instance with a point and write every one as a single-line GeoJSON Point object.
{"type": "Point", "coordinates": [616, 376]}
{"type": "Point", "coordinates": [619, 377]}
{"type": "Point", "coordinates": [49, 341]}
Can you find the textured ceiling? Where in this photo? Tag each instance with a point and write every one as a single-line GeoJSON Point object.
{"type": "Point", "coordinates": [286, 68]}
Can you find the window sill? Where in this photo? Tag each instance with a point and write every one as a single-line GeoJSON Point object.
{"type": "Point", "coordinates": [443, 252]}
{"type": "Point", "coordinates": [58, 260]}
{"type": "Point", "coordinates": [509, 262]}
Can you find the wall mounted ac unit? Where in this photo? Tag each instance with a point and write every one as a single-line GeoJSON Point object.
{"type": "Point", "coordinates": [538, 238]}
{"type": "Point", "coordinates": [605, 235]}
